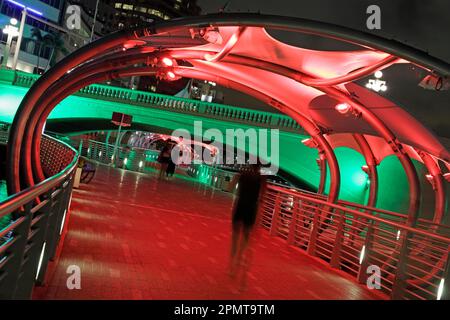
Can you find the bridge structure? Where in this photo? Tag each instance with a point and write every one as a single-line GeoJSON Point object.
{"type": "Point", "coordinates": [377, 176]}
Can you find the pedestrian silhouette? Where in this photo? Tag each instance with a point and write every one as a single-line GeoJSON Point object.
{"type": "Point", "coordinates": [251, 185]}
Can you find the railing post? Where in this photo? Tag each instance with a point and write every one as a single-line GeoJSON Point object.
{"type": "Point", "coordinates": [337, 248]}
{"type": "Point", "coordinates": [293, 223]}
{"type": "Point", "coordinates": [311, 250]}
{"type": "Point", "coordinates": [400, 279]}
{"type": "Point", "coordinates": [276, 213]}
{"type": "Point", "coordinates": [8, 285]}
{"type": "Point", "coordinates": [201, 107]}
{"type": "Point", "coordinates": [446, 277]}
{"type": "Point", "coordinates": [362, 272]}
{"type": "Point", "coordinates": [58, 214]}
{"type": "Point", "coordinates": [36, 252]}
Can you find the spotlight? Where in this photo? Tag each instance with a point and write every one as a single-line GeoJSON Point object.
{"type": "Point", "coordinates": [167, 62]}
{"type": "Point", "coordinates": [171, 75]}
{"type": "Point", "coordinates": [343, 108]}
{"type": "Point", "coordinates": [310, 143]}
{"type": "Point", "coordinates": [447, 176]}
{"type": "Point", "coordinates": [378, 74]}
{"type": "Point", "coordinates": [365, 168]}
{"type": "Point", "coordinates": [430, 179]}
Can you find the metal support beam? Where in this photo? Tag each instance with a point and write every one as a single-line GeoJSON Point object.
{"type": "Point", "coordinates": [372, 166]}
{"type": "Point", "coordinates": [438, 185]}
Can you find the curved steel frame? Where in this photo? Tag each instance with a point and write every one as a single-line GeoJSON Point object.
{"type": "Point", "coordinates": [23, 157]}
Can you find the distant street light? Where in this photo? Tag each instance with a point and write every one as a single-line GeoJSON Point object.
{"type": "Point", "coordinates": [21, 28]}
{"type": "Point", "coordinates": [12, 31]}
{"type": "Point", "coordinates": [377, 84]}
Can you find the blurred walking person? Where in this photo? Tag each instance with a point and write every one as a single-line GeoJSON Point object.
{"type": "Point", "coordinates": [164, 159]}
{"type": "Point", "coordinates": [251, 185]}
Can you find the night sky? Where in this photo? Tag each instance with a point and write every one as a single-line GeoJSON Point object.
{"type": "Point", "coordinates": [424, 24]}
{"type": "Point", "coordinates": [421, 23]}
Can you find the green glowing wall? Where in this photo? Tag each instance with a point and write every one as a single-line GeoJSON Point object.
{"type": "Point", "coordinates": [295, 158]}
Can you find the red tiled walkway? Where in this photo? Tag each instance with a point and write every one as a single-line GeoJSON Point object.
{"type": "Point", "coordinates": [135, 237]}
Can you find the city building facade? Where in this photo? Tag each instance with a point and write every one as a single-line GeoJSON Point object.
{"type": "Point", "coordinates": [113, 15]}
{"type": "Point", "coordinates": [37, 48]}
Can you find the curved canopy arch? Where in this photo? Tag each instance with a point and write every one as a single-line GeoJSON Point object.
{"type": "Point", "coordinates": [313, 82]}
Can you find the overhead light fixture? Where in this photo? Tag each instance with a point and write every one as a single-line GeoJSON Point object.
{"type": "Point", "coordinates": [447, 176]}
{"type": "Point", "coordinates": [168, 62]}
{"type": "Point", "coordinates": [212, 35]}
{"type": "Point", "coordinates": [171, 75]}
{"type": "Point", "coordinates": [343, 108]}
{"type": "Point", "coordinates": [431, 180]}
{"type": "Point", "coordinates": [365, 168]}
{"type": "Point", "coordinates": [310, 143]}
{"type": "Point", "coordinates": [378, 74]}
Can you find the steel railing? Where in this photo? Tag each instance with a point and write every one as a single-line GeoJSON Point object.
{"type": "Point", "coordinates": [135, 159]}
{"type": "Point", "coordinates": [37, 218]}
{"type": "Point", "coordinates": [422, 223]}
{"type": "Point", "coordinates": [170, 103]}
{"type": "Point", "coordinates": [413, 263]}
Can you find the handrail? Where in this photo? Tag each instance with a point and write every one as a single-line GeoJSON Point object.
{"type": "Point", "coordinates": [37, 216]}
{"type": "Point", "coordinates": [16, 201]}
{"type": "Point", "coordinates": [362, 214]}
{"type": "Point", "coordinates": [363, 207]}
{"type": "Point", "coordinates": [420, 272]}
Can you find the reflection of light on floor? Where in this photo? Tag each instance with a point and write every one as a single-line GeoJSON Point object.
{"type": "Point", "coordinates": [88, 266]}
{"type": "Point", "coordinates": [90, 215]}
{"type": "Point", "coordinates": [122, 174]}
{"type": "Point", "coordinates": [92, 236]}
{"type": "Point", "coordinates": [136, 182]}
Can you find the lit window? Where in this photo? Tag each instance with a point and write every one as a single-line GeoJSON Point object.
{"type": "Point", "coordinates": [127, 7]}
{"type": "Point", "coordinates": [118, 5]}
{"type": "Point", "coordinates": [141, 9]}
{"type": "Point", "coordinates": [156, 13]}
{"type": "Point", "coordinates": [166, 17]}
{"type": "Point", "coordinates": [176, 6]}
